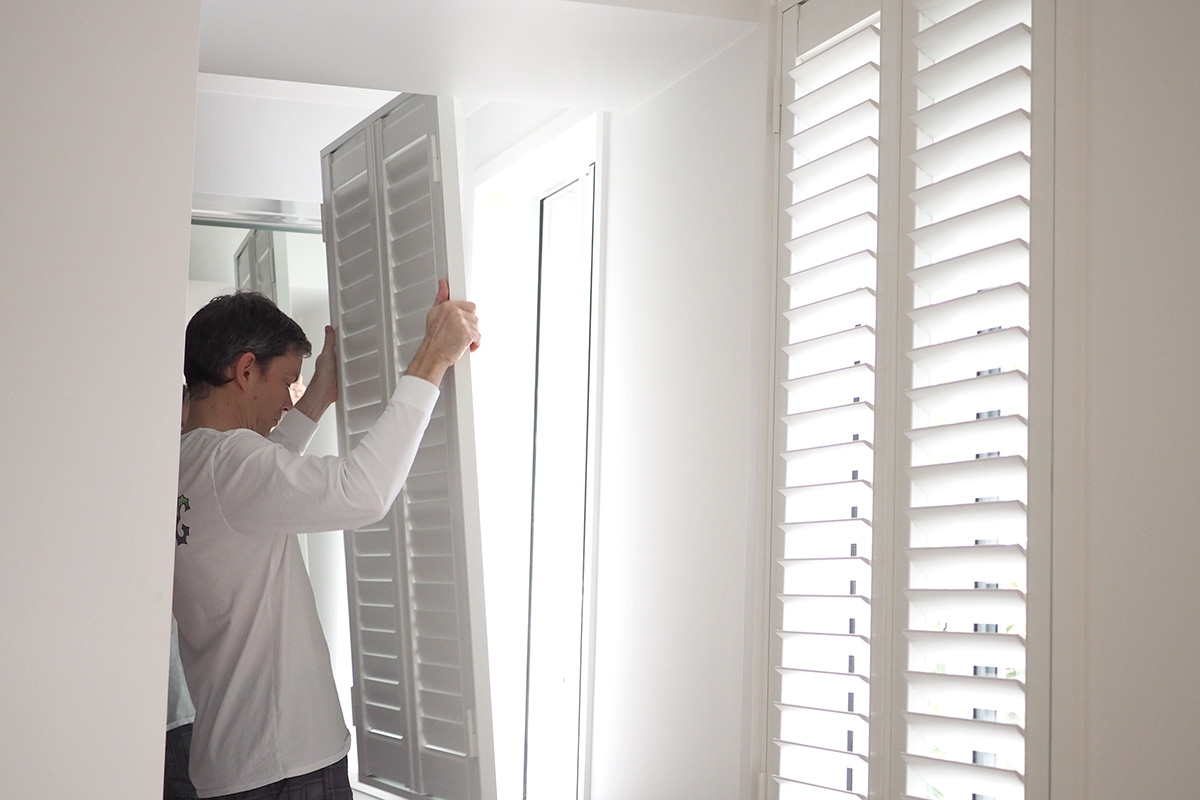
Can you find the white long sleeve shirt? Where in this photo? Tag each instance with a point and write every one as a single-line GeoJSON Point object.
{"type": "Point", "coordinates": [251, 644]}
{"type": "Point", "coordinates": [294, 432]}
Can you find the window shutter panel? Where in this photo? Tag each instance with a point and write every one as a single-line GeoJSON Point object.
{"type": "Point", "coordinates": [254, 264]}
{"type": "Point", "coordinates": [949, 562]}
{"type": "Point", "coordinates": [822, 576]}
{"type": "Point", "coordinates": [419, 660]}
{"type": "Point", "coordinates": [969, 100]}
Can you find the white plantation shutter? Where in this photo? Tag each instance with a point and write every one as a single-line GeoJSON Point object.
{"type": "Point", "coordinates": [391, 231]}
{"type": "Point", "coordinates": [830, 194]}
{"type": "Point", "coordinates": [254, 264]}
{"type": "Point", "coordinates": [969, 104]}
{"type": "Point", "coordinates": [938, 305]}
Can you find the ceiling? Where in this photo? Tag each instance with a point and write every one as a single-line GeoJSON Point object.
{"type": "Point", "coordinates": [604, 55]}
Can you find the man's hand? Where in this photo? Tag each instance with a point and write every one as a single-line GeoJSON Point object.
{"type": "Point", "coordinates": [322, 390]}
{"type": "Point", "coordinates": [451, 330]}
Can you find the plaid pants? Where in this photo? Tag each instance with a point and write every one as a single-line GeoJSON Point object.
{"type": "Point", "coordinates": [330, 783]}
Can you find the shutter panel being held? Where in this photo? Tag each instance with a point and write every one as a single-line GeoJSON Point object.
{"type": "Point", "coordinates": [420, 699]}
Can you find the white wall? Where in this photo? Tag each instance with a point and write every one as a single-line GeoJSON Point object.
{"type": "Point", "coordinates": [1127, 708]}
{"type": "Point", "coordinates": [263, 138]}
{"type": "Point", "coordinates": [679, 447]}
{"type": "Point", "coordinates": [97, 129]}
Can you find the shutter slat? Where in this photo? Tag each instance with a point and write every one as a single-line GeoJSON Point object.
{"type": "Point", "coordinates": [858, 122]}
{"type": "Point", "coordinates": [1004, 393]}
{"type": "Point", "coordinates": [959, 441]}
{"type": "Point", "coordinates": [1004, 263]}
{"type": "Point", "coordinates": [827, 425]}
{"type": "Point", "coordinates": [833, 388]}
{"type": "Point", "coordinates": [825, 460]}
{"type": "Point", "coordinates": [832, 350]}
{"type": "Point", "coordinates": [998, 649]}
{"type": "Point", "coordinates": [825, 576]}
{"type": "Point", "coordinates": [819, 70]}
{"type": "Point", "coordinates": [967, 697]}
{"type": "Point", "coordinates": [974, 147]}
{"type": "Point", "coordinates": [964, 481]}
{"type": "Point", "coordinates": [826, 652]}
{"type": "Point", "coordinates": [824, 767]}
{"type": "Point", "coordinates": [831, 315]}
{"type": "Point", "coordinates": [967, 778]}
{"type": "Point", "coordinates": [834, 242]}
{"type": "Point", "coordinates": [800, 790]}
{"type": "Point", "coordinates": [980, 62]}
{"type": "Point", "coordinates": [974, 231]}
{"type": "Point", "coordinates": [837, 96]}
{"type": "Point", "coordinates": [973, 107]}
{"type": "Point", "coordinates": [962, 23]}
{"type": "Point", "coordinates": [855, 271]}
{"type": "Point", "coordinates": [998, 307]}
{"type": "Point", "coordinates": [975, 188]}
{"type": "Point", "coordinates": [965, 524]}
{"type": "Point", "coordinates": [815, 177]}
{"type": "Point", "coordinates": [1006, 349]}
{"type": "Point", "coordinates": [826, 539]}
{"type": "Point", "coordinates": [949, 565]}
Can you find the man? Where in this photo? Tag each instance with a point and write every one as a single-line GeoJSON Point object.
{"type": "Point", "coordinates": [294, 432]}
{"type": "Point", "coordinates": [268, 722]}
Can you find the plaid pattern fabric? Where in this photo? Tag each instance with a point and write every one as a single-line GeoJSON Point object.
{"type": "Point", "coordinates": [330, 783]}
{"type": "Point", "coordinates": [176, 783]}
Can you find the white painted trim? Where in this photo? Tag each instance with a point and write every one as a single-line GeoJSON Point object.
{"type": "Point", "coordinates": [1042, 418]}
{"type": "Point", "coordinates": [1069, 681]}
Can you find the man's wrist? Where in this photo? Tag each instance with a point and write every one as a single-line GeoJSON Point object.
{"type": "Point", "coordinates": [313, 404]}
{"type": "Point", "coordinates": [428, 367]}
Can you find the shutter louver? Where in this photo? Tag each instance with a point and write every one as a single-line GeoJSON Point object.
{"type": "Point", "coordinates": [388, 245]}
{"type": "Point", "coordinates": [823, 555]}
{"type": "Point", "coordinates": [969, 103]}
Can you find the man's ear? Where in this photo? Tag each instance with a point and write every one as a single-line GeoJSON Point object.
{"type": "Point", "coordinates": [243, 369]}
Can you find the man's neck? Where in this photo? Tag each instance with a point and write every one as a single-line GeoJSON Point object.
{"type": "Point", "coordinates": [218, 410]}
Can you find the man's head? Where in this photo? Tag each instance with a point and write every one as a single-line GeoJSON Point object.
{"type": "Point", "coordinates": [245, 340]}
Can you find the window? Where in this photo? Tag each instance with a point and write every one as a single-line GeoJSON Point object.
{"type": "Point", "coordinates": [533, 258]}
{"type": "Point", "coordinates": [904, 370]}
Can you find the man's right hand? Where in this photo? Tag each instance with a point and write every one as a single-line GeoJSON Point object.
{"type": "Point", "coordinates": [451, 331]}
{"type": "Point", "coordinates": [322, 390]}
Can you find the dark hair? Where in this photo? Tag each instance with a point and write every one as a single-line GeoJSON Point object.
{"type": "Point", "coordinates": [227, 327]}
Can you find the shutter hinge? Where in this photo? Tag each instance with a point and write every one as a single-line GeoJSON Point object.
{"type": "Point", "coordinates": [472, 735]}
{"type": "Point", "coordinates": [325, 222]}
{"type": "Point", "coordinates": [435, 159]}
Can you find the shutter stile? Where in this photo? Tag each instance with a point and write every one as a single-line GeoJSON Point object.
{"type": "Point", "coordinates": [826, 459]}
{"type": "Point", "coordinates": [966, 577]}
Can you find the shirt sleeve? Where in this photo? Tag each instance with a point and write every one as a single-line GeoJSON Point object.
{"type": "Point", "coordinates": [295, 432]}
{"type": "Point", "coordinates": [263, 488]}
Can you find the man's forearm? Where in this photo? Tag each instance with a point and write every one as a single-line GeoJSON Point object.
{"type": "Point", "coordinates": [314, 402]}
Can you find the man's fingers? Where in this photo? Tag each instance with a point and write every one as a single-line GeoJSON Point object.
{"type": "Point", "coordinates": [443, 292]}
